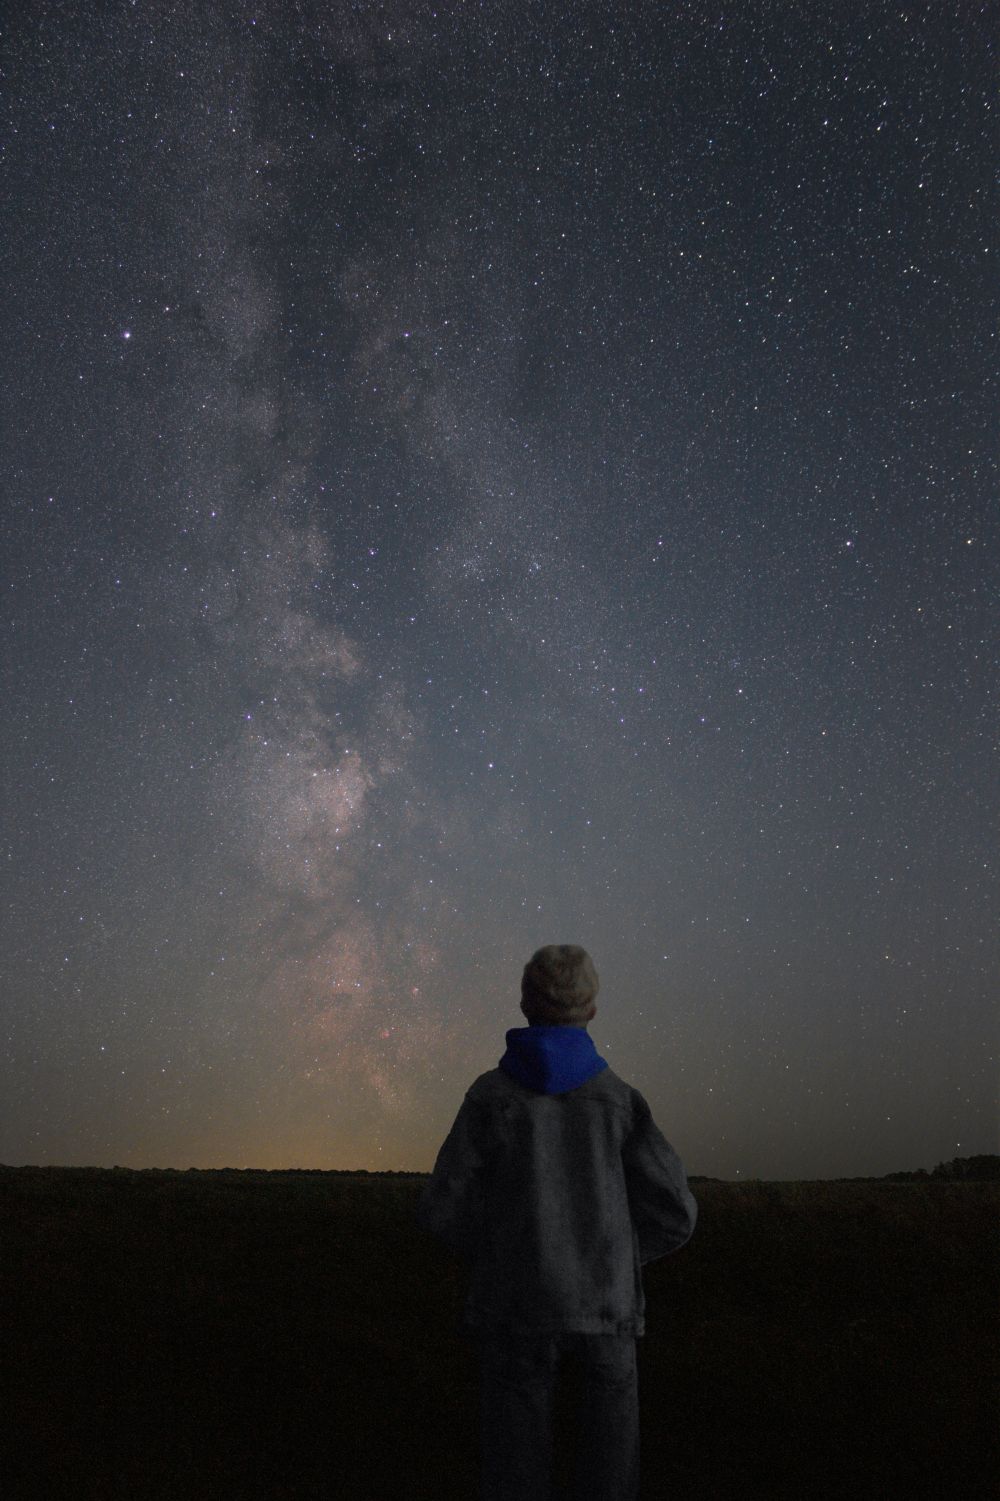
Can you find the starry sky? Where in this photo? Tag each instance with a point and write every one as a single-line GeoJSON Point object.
{"type": "Point", "coordinates": [486, 475]}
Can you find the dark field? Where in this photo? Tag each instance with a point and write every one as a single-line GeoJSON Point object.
{"type": "Point", "coordinates": [264, 1335]}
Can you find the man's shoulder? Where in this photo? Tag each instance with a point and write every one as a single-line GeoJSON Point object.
{"type": "Point", "coordinates": [497, 1084]}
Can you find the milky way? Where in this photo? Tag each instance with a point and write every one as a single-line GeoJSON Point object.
{"type": "Point", "coordinates": [482, 478]}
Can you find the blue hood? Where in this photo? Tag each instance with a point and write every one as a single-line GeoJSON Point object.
{"type": "Point", "coordinates": [551, 1060]}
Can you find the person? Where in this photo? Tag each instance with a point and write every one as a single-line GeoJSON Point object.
{"type": "Point", "coordinates": [556, 1187]}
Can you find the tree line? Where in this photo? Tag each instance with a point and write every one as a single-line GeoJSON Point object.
{"type": "Point", "coordinates": [985, 1168]}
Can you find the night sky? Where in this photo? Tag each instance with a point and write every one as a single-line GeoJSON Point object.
{"type": "Point", "coordinates": [485, 475]}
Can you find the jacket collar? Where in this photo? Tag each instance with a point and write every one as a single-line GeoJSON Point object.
{"type": "Point", "coordinates": [551, 1060]}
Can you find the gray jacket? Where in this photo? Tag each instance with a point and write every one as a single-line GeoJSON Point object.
{"type": "Point", "coordinates": [555, 1186]}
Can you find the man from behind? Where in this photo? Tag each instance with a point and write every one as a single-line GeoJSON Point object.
{"type": "Point", "coordinates": [556, 1187]}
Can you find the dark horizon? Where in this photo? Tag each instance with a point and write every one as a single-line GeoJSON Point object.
{"type": "Point", "coordinates": [988, 1171]}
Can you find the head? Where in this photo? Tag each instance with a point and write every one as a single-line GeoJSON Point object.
{"type": "Point", "coordinates": [558, 986]}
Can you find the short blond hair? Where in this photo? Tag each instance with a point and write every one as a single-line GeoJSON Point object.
{"type": "Point", "coordinates": [559, 985]}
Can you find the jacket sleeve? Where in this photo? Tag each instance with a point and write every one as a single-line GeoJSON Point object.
{"type": "Point", "coordinates": [451, 1207]}
{"type": "Point", "coordinates": [664, 1211]}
